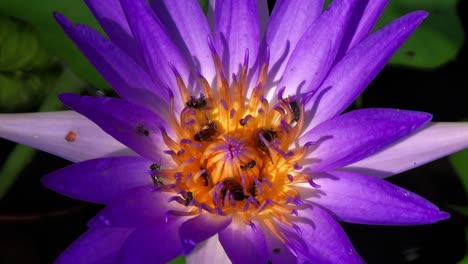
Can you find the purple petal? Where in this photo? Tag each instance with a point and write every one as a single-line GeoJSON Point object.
{"type": "Point", "coordinates": [355, 135]}
{"type": "Point", "coordinates": [160, 52]}
{"type": "Point", "coordinates": [263, 16]}
{"type": "Point", "coordinates": [99, 180]}
{"type": "Point", "coordinates": [66, 134]}
{"type": "Point", "coordinates": [140, 207]}
{"type": "Point", "coordinates": [128, 79]}
{"type": "Point", "coordinates": [354, 72]}
{"type": "Point", "coordinates": [208, 251]}
{"type": "Point", "coordinates": [326, 241]}
{"type": "Point", "coordinates": [236, 30]}
{"type": "Point", "coordinates": [277, 251]}
{"type": "Point", "coordinates": [315, 52]}
{"type": "Point", "coordinates": [152, 245]}
{"type": "Point", "coordinates": [434, 141]}
{"type": "Point", "coordinates": [200, 228]}
{"type": "Point", "coordinates": [188, 27]}
{"type": "Point", "coordinates": [110, 15]}
{"type": "Point", "coordinates": [363, 20]}
{"type": "Point", "coordinates": [356, 198]}
{"type": "Point", "coordinates": [289, 21]}
{"type": "Point", "coordinates": [243, 243]}
{"type": "Point", "coordinates": [134, 126]}
{"type": "Point", "coordinates": [97, 245]}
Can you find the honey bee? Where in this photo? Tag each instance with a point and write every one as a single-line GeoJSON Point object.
{"type": "Point", "coordinates": [189, 198]}
{"type": "Point", "coordinates": [296, 111]}
{"type": "Point", "coordinates": [234, 188]}
{"type": "Point", "coordinates": [207, 132]}
{"type": "Point", "coordinates": [248, 165]}
{"type": "Point", "coordinates": [157, 180]}
{"type": "Point", "coordinates": [196, 103]}
{"type": "Point", "coordinates": [155, 168]}
{"type": "Point", "coordinates": [141, 130]}
{"type": "Point", "coordinates": [268, 135]}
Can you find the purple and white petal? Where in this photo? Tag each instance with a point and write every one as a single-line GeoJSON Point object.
{"type": "Point", "coordinates": [357, 134]}
{"type": "Point", "coordinates": [362, 21]}
{"type": "Point", "coordinates": [208, 251]}
{"type": "Point", "coordinates": [188, 27]}
{"type": "Point", "coordinates": [236, 30]}
{"type": "Point", "coordinates": [263, 16]}
{"type": "Point", "coordinates": [277, 250]}
{"type": "Point", "coordinates": [140, 207]}
{"type": "Point", "coordinates": [97, 245]}
{"type": "Point", "coordinates": [433, 141]}
{"type": "Point", "coordinates": [135, 126]}
{"type": "Point", "coordinates": [100, 180]}
{"type": "Point", "coordinates": [112, 19]}
{"type": "Point", "coordinates": [244, 243]}
{"type": "Point", "coordinates": [315, 52]}
{"type": "Point", "coordinates": [289, 21]}
{"type": "Point", "coordinates": [66, 134]}
{"type": "Point", "coordinates": [347, 79]}
{"type": "Point", "coordinates": [159, 50]}
{"type": "Point", "coordinates": [200, 228]}
{"type": "Point", "coordinates": [324, 237]}
{"type": "Point", "coordinates": [152, 245]}
{"type": "Point", "coordinates": [362, 199]}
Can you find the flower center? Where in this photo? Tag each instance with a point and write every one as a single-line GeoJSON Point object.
{"type": "Point", "coordinates": [234, 154]}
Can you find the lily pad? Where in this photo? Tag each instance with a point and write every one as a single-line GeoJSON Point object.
{"type": "Point", "coordinates": [459, 162]}
{"type": "Point", "coordinates": [437, 40]}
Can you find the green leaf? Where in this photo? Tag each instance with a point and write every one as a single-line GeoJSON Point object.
{"type": "Point", "coordinates": [459, 162]}
{"type": "Point", "coordinates": [39, 14]}
{"type": "Point", "coordinates": [204, 5]}
{"type": "Point", "coordinates": [437, 40]}
{"type": "Point", "coordinates": [178, 260]}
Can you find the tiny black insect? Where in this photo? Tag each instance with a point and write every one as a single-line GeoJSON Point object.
{"type": "Point", "coordinates": [296, 111]}
{"type": "Point", "coordinates": [141, 130]}
{"type": "Point", "coordinates": [155, 167]}
{"type": "Point", "coordinates": [276, 250]}
{"type": "Point", "coordinates": [207, 132]}
{"type": "Point", "coordinates": [235, 189]}
{"type": "Point", "coordinates": [196, 103]}
{"type": "Point", "coordinates": [157, 180]}
{"type": "Point", "coordinates": [189, 198]}
{"type": "Point", "coordinates": [268, 135]}
{"type": "Point", "coordinates": [248, 165]}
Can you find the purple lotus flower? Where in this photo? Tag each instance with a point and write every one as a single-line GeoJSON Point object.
{"type": "Point", "coordinates": [229, 142]}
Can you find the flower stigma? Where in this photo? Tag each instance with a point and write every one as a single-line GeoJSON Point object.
{"type": "Point", "coordinates": [233, 152]}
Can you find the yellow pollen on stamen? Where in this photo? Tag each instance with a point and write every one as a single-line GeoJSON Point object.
{"type": "Point", "coordinates": [234, 152]}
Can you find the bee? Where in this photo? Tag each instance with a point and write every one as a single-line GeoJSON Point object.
{"type": "Point", "coordinates": [155, 167]}
{"type": "Point", "coordinates": [157, 180]}
{"type": "Point", "coordinates": [196, 103]}
{"type": "Point", "coordinates": [234, 188]}
{"type": "Point", "coordinates": [207, 132]}
{"type": "Point", "coordinates": [141, 130]}
{"type": "Point", "coordinates": [249, 165]}
{"type": "Point", "coordinates": [268, 135]}
{"type": "Point", "coordinates": [296, 111]}
{"type": "Point", "coordinates": [189, 198]}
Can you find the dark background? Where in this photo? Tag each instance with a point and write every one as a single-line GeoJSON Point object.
{"type": "Point", "coordinates": [37, 224]}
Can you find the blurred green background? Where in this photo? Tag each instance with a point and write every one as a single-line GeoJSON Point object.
{"type": "Point", "coordinates": [37, 62]}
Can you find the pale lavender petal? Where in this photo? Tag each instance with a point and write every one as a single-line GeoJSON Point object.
{"type": "Point", "coordinates": [289, 21]}
{"type": "Point", "coordinates": [66, 134]}
{"type": "Point", "coordinates": [131, 124]}
{"type": "Point", "coordinates": [152, 245]}
{"type": "Point", "coordinates": [244, 243]}
{"type": "Point", "coordinates": [188, 27]}
{"type": "Point", "coordinates": [200, 228]}
{"type": "Point", "coordinates": [277, 251]}
{"type": "Point", "coordinates": [263, 16]}
{"type": "Point", "coordinates": [362, 199]}
{"type": "Point", "coordinates": [433, 141]}
{"type": "Point", "coordinates": [355, 71]}
{"type": "Point", "coordinates": [160, 51]}
{"type": "Point", "coordinates": [236, 30]}
{"type": "Point", "coordinates": [127, 78]}
{"type": "Point", "coordinates": [100, 180]}
{"type": "Point", "coordinates": [326, 240]}
{"type": "Point", "coordinates": [140, 207]}
{"type": "Point", "coordinates": [110, 15]}
{"type": "Point", "coordinates": [315, 52]}
{"type": "Point", "coordinates": [364, 17]}
{"type": "Point", "coordinates": [208, 251]}
{"type": "Point", "coordinates": [358, 134]}
{"type": "Point", "coordinates": [97, 245]}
